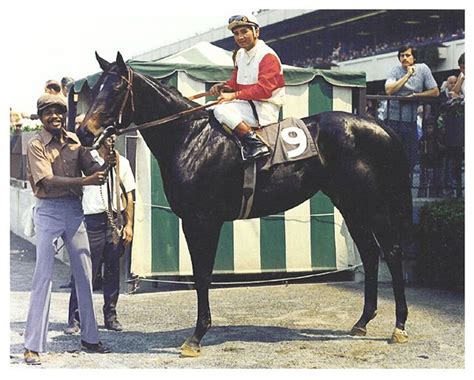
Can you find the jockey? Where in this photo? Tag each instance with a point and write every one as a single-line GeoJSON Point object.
{"type": "Point", "coordinates": [257, 78]}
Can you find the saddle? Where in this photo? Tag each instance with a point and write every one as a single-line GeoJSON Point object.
{"type": "Point", "coordinates": [289, 141]}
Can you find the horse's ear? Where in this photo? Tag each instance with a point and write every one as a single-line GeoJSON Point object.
{"type": "Point", "coordinates": [104, 65]}
{"type": "Point", "coordinates": [120, 62]}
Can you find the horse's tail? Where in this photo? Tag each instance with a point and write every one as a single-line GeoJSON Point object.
{"type": "Point", "coordinates": [399, 195]}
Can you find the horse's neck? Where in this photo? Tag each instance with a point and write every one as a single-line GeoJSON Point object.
{"type": "Point", "coordinates": [153, 102]}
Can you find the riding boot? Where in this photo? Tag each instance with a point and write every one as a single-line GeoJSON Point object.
{"type": "Point", "coordinates": [253, 147]}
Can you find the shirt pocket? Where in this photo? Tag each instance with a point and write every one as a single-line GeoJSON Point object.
{"type": "Point", "coordinates": [71, 167]}
{"type": "Point", "coordinates": [52, 155]}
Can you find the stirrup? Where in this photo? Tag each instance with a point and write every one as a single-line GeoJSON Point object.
{"type": "Point", "coordinates": [253, 147]}
{"type": "Point", "coordinates": [264, 151]}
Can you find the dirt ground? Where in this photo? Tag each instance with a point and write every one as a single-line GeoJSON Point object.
{"type": "Point", "coordinates": [293, 326]}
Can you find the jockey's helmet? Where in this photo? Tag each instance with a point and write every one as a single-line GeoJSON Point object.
{"type": "Point", "coordinates": [242, 20]}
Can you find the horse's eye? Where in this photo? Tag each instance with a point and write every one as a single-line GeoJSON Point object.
{"type": "Point", "coordinates": [118, 85]}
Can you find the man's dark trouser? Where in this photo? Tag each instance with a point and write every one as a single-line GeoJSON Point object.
{"type": "Point", "coordinates": [406, 131]}
{"type": "Point", "coordinates": [102, 249]}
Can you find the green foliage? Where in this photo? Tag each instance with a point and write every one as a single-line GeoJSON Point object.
{"type": "Point", "coordinates": [453, 108]}
{"type": "Point", "coordinates": [441, 234]}
{"type": "Point", "coordinates": [24, 128]}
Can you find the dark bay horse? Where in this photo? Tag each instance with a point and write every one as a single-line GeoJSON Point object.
{"type": "Point", "coordinates": [361, 167]}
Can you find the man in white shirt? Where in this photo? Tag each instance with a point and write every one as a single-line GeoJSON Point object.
{"type": "Point", "coordinates": [100, 231]}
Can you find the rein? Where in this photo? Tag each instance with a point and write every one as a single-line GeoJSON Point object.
{"type": "Point", "coordinates": [165, 119]}
{"type": "Point", "coordinates": [157, 122]}
{"type": "Point", "coordinates": [114, 185]}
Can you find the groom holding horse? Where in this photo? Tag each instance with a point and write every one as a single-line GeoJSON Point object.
{"type": "Point", "coordinates": [254, 95]}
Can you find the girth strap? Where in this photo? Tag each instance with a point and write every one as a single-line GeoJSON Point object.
{"type": "Point", "coordinates": [250, 175]}
{"type": "Point", "coordinates": [254, 111]}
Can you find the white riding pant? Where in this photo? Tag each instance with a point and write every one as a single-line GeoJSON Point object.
{"type": "Point", "coordinates": [234, 112]}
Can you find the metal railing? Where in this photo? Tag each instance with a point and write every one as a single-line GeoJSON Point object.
{"type": "Point", "coordinates": [437, 169]}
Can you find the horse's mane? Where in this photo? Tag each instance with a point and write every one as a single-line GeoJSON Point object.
{"type": "Point", "coordinates": [174, 94]}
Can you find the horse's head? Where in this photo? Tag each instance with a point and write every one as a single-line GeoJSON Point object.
{"type": "Point", "coordinates": [113, 100]}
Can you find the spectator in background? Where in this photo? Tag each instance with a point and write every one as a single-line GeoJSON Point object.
{"type": "Point", "coordinates": [101, 232]}
{"type": "Point", "coordinates": [15, 121]}
{"type": "Point", "coordinates": [66, 84]}
{"type": "Point", "coordinates": [52, 87]}
{"type": "Point", "coordinates": [336, 53]}
{"type": "Point", "coordinates": [371, 109]}
{"type": "Point", "coordinates": [459, 87]}
{"type": "Point", "coordinates": [453, 117]}
{"type": "Point", "coordinates": [408, 79]}
{"type": "Point", "coordinates": [447, 88]}
{"type": "Point", "coordinates": [431, 155]}
{"type": "Point", "coordinates": [382, 110]}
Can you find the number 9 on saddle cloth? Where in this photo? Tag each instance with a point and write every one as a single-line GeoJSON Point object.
{"type": "Point", "coordinates": [289, 141]}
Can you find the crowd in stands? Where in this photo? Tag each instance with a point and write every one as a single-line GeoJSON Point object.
{"type": "Point", "coordinates": [345, 51]}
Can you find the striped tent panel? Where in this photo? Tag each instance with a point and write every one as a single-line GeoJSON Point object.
{"type": "Point", "coordinates": [141, 245]}
{"type": "Point", "coordinates": [311, 236]}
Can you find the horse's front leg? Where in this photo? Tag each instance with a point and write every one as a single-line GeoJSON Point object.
{"type": "Point", "coordinates": [192, 345]}
{"type": "Point", "coordinates": [202, 236]}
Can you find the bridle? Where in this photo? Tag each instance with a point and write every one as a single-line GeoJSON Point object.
{"type": "Point", "coordinates": [129, 94]}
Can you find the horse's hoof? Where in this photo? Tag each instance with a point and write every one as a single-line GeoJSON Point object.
{"type": "Point", "coordinates": [399, 336]}
{"type": "Point", "coordinates": [358, 331]}
{"type": "Point", "coordinates": [188, 351]}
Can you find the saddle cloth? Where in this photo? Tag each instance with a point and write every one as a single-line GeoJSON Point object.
{"type": "Point", "coordinates": [289, 140]}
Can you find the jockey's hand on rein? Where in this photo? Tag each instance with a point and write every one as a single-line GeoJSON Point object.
{"type": "Point", "coordinates": [216, 89]}
{"type": "Point", "coordinates": [226, 97]}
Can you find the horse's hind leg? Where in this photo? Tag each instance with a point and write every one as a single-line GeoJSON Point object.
{"type": "Point", "coordinates": [202, 236]}
{"type": "Point", "coordinates": [369, 252]}
{"type": "Point", "coordinates": [387, 237]}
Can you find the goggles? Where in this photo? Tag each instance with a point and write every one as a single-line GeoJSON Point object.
{"type": "Point", "coordinates": [240, 20]}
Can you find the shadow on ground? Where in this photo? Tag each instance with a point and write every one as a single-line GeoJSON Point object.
{"type": "Point", "coordinates": [172, 339]}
